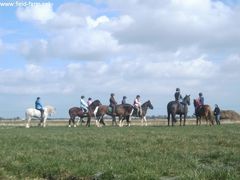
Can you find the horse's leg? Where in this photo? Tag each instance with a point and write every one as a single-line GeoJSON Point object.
{"type": "Point", "coordinates": [97, 121]}
{"type": "Point", "coordinates": [180, 119]}
{"type": "Point", "coordinates": [28, 119]}
{"type": "Point", "coordinates": [128, 122]}
{"type": "Point", "coordinates": [88, 121]}
{"type": "Point", "coordinates": [114, 123]}
{"type": "Point", "coordinates": [145, 119]}
{"type": "Point", "coordinates": [184, 122]}
{"type": "Point", "coordinates": [71, 120]}
{"type": "Point", "coordinates": [168, 117]}
{"type": "Point", "coordinates": [173, 118]}
{"type": "Point", "coordinates": [102, 121]}
{"type": "Point", "coordinates": [44, 121]}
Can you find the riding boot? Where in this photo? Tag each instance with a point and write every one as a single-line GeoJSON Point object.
{"type": "Point", "coordinates": [42, 116]}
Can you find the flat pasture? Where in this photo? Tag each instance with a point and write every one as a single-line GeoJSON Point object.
{"type": "Point", "coordinates": [136, 152]}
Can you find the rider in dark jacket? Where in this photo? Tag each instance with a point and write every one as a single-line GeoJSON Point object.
{"type": "Point", "coordinates": [177, 95]}
{"type": "Point", "coordinates": [124, 101]}
{"type": "Point", "coordinates": [113, 104]}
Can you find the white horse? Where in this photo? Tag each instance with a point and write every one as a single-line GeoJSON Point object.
{"type": "Point", "coordinates": [32, 112]}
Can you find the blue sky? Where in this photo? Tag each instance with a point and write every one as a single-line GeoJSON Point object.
{"type": "Point", "coordinates": [66, 49]}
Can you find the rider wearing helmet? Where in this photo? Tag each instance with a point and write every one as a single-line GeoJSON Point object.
{"type": "Point", "coordinates": [137, 105]}
{"type": "Point", "coordinates": [177, 95]}
{"type": "Point", "coordinates": [89, 101]}
{"type": "Point", "coordinates": [124, 100]}
{"type": "Point", "coordinates": [83, 104]}
{"type": "Point", "coordinates": [39, 106]}
{"type": "Point", "coordinates": [201, 99]}
{"type": "Point", "coordinates": [113, 103]}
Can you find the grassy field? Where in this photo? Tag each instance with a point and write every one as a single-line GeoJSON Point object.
{"type": "Point", "coordinates": [156, 152]}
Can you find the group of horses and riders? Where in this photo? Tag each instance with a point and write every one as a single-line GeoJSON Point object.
{"type": "Point", "coordinates": [181, 108]}
{"type": "Point", "coordinates": [125, 111]}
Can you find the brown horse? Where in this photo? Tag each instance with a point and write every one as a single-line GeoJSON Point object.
{"type": "Point", "coordinates": [123, 111]}
{"type": "Point", "coordinates": [203, 112]}
{"type": "Point", "coordinates": [79, 112]}
{"type": "Point", "coordinates": [174, 107]}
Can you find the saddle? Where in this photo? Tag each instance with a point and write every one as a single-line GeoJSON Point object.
{"type": "Point", "coordinates": [110, 110]}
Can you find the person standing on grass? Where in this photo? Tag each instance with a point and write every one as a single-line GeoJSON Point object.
{"type": "Point", "coordinates": [217, 114]}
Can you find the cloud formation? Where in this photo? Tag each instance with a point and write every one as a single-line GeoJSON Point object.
{"type": "Point", "coordinates": [139, 47]}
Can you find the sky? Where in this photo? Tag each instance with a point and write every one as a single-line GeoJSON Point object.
{"type": "Point", "coordinates": [59, 50]}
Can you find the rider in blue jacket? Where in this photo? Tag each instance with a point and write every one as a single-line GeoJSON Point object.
{"type": "Point", "coordinates": [39, 106]}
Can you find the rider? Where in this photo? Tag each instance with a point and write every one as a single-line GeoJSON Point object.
{"type": "Point", "coordinates": [124, 101]}
{"type": "Point", "coordinates": [177, 95]}
{"type": "Point", "coordinates": [89, 101]}
{"type": "Point", "coordinates": [201, 99]}
{"type": "Point", "coordinates": [39, 106]}
{"type": "Point", "coordinates": [137, 105]}
{"type": "Point", "coordinates": [83, 104]}
{"type": "Point", "coordinates": [113, 103]}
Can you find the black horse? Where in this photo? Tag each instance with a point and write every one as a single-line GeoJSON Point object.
{"type": "Point", "coordinates": [123, 111]}
{"type": "Point", "coordinates": [143, 113]}
{"type": "Point", "coordinates": [175, 107]}
{"type": "Point", "coordinates": [79, 112]}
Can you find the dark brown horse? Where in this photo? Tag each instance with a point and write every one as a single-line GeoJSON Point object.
{"type": "Point", "coordinates": [122, 111]}
{"type": "Point", "coordinates": [79, 112]}
{"type": "Point", "coordinates": [203, 112]}
{"type": "Point", "coordinates": [142, 115]}
{"type": "Point", "coordinates": [175, 107]}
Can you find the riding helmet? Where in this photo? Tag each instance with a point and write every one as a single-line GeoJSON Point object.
{"type": "Point", "coordinates": [138, 96]}
{"type": "Point", "coordinates": [177, 89]}
{"type": "Point", "coordinates": [200, 94]}
{"type": "Point", "coordinates": [38, 97]}
{"type": "Point", "coordinates": [112, 94]}
{"type": "Point", "coordinates": [124, 97]}
{"type": "Point", "coordinates": [82, 97]}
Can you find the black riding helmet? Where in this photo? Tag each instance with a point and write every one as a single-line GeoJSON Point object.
{"type": "Point", "coordinates": [138, 96]}
{"type": "Point", "coordinates": [124, 97]}
{"type": "Point", "coordinates": [82, 97]}
{"type": "Point", "coordinates": [177, 89]}
{"type": "Point", "coordinates": [200, 94]}
{"type": "Point", "coordinates": [112, 94]}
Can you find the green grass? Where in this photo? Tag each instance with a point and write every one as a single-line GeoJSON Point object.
{"type": "Point", "coordinates": [120, 153]}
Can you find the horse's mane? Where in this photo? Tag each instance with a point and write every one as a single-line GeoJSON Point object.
{"type": "Point", "coordinates": [50, 109]}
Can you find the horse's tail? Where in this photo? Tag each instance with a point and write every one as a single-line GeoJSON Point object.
{"type": "Point", "coordinates": [209, 114]}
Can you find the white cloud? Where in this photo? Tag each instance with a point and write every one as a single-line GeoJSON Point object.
{"type": "Point", "coordinates": [39, 13]}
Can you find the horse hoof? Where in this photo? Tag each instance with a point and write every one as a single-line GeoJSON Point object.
{"type": "Point", "coordinates": [69, 126]}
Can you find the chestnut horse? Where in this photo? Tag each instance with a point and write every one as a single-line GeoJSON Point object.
{"type": "Point", "coordinates": [123, 111]}
{"type": "Point", "coordinates": [203, 112]}
{"type": "Point", "coordinates": [76, 111]}
{"type": "Point", "coordinates": [180, 108]}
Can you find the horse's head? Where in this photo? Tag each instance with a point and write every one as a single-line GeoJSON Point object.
{"type": "Point", "coordinates": [50, 110]}
{"type": "Point", "coordinates": [149, 104]}
{"type": "Point", "coordinates": [186, 100]}
{"type": "Point", "coordinates": [96, 103]}
{"type": "Point", "coordinates": [195, 103]}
